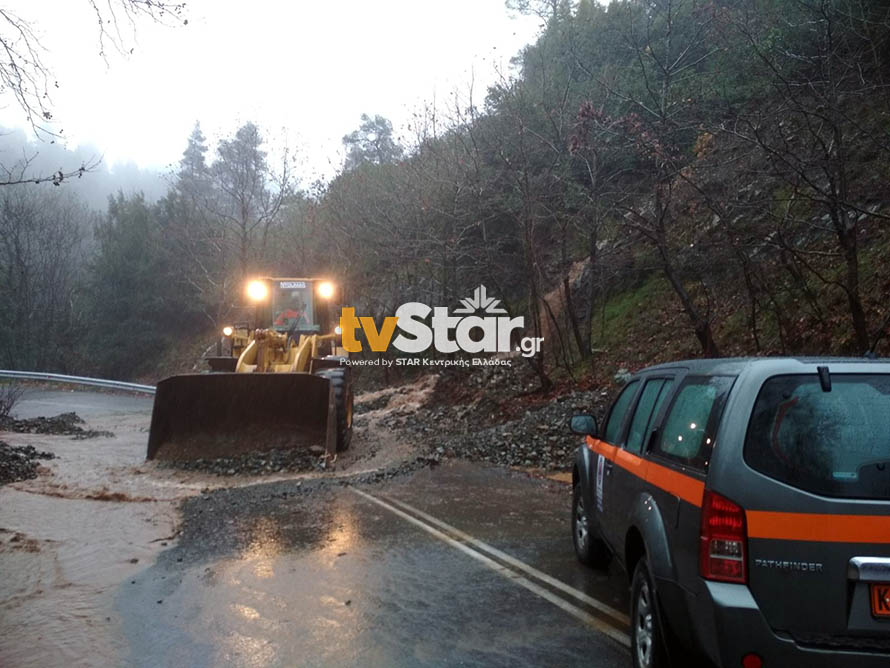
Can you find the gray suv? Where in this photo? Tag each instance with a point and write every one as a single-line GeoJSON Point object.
{"type": "Point", "coordinates": [749, 502]}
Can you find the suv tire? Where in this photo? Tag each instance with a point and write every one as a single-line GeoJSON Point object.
{"type": "Point", "coordinates": [647, 636]}
{"type": "Point", "coordinates": [589, 547]}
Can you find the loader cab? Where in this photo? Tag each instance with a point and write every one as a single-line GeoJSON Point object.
{"type": "Point", "coordinates": [293, 307]}
{"type": "Point", "coordinates": [298, 306]}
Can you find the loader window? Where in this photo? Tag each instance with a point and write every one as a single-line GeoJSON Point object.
{"type": "Point", "coordinates": [292, 308]}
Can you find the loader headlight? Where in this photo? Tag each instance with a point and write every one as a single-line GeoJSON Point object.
{"type": "Point", "coordinates": [257, 291]}
{"type": "Point", "coordinates": [326, 290]}
{"type": "Point", "coordinates": [228, 331]}
{"type": "Point", "coordinates": [338, 330]}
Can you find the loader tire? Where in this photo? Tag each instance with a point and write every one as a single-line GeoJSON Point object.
{"type": "Point", "coordinates": [343, 400]}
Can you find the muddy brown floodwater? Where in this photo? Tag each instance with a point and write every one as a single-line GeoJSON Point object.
{"type": "Point", "coordinates": [98, 514]}
{"type": "Point", "coordinates": [70, 536]}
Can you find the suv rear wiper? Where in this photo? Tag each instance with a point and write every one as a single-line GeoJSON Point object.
{"type": "Point", "coordinates": [824, 378]}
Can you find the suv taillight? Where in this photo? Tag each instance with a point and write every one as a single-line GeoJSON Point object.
{"type": "Point", "coordinates": [723, 540]}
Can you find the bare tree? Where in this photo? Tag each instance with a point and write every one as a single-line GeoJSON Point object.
{"type": "Point", "coordinates": [28, 81]}
{"type": "Point", "coordinates": [822, 69]}
{"type": "Point", "coordinates": [655, 127]}
{"type": "Point", "coordinates": [247, 194]}
{"type": "Point", "coordinates": [10, 394]}
{"type": "Point", "coordinates": [40, 265]}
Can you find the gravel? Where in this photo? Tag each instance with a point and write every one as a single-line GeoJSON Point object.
{"type": "Point", "coordinates": [231, 519]}
{"type": "Point", "coordinates": [19, 462]}
{"type": "Point", "coordinates": [66, 424]}
{"type": "Point", "coordinates": [539, 438]}
{"type": "Point", "coordinates": [498, 418]}
{"type": "Point", "coordinates": [289, 461]}
{"type": "Point", "coordinates": [371, 405]}
{"type": "Point", "coordinates": [257, 463]}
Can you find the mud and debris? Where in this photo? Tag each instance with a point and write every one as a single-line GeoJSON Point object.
{"type": "Point", "coordinates": [256, 463]}
{"type": "Point", "coordinates": [494, 414]}
{"type": "Point", "coordinates": [17, 541]}
{"type": "Point", "coordinates": [255, 504]}
{"type": "Point", "coordinates": [65, 424]}
{"type": "Point", "coordinates": [19, 463]}
{"type": "Point", "coordinates": [538, 438]}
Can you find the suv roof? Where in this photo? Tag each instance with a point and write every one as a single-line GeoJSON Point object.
{"type": "Point", "coordinates": [734, 365]}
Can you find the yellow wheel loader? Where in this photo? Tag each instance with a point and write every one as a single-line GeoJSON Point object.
{"type": "Point", "coordinates": [284, 385]}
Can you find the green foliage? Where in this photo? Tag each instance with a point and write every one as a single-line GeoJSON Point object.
{"type": "Point", "coordinates": [372, 143]}
{"type": "Point", "coordinates": [136, 310]}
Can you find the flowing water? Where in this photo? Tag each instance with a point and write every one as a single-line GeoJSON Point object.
{"type": "Point", "coordinates": [94, 516]}
{"type": "Point", "coordinates": [98, 515]}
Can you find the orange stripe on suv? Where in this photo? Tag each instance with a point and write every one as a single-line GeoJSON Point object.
{"type": "Point", "coordinates": [819, 528]}
{"type": "Point", "coordinates": [686, 487]}
{"type": "Point", "coordinates": [761, 523]}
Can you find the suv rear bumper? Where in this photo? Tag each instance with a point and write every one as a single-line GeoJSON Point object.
{"type": "Point", "coordinates": [730, 625]}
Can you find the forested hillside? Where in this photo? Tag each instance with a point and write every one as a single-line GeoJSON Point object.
{"type": "Point", "coordinates": [655, 179]}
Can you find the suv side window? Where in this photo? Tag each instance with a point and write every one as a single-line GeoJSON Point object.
{"type": "Point", "coordinates": [688, 434]}
{"type": "Point", "coordinates": [619, 411]}
{"type": "Point", "coordinates": [651, 399]}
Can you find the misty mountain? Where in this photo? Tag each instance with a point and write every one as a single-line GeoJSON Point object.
{"type": "Point", "coordinates": [23, 155]}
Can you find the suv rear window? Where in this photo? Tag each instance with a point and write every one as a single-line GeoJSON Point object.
{"type": "Point", "coordinates": [833, 443]}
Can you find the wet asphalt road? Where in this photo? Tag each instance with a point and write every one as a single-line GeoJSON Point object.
{"type": "Point", "coordinates": [43, 402]}
{"type": "Point", "coordinates": [324, 574]}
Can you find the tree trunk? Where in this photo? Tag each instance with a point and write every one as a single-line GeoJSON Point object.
{"type": "Point", "coordinates": [857, 312]}
{"type": "Point", "coordinates": [571, 314]}
{"type": "Point", "coordinates": [700, 325]}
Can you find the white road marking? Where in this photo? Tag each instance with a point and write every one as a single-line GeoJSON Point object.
{"type": "Point", "coordinates": [521, 565]}
{"type": "Point", "coordinates": [508, 573]}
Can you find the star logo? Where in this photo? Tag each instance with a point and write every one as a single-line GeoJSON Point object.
{"type": "Point", "coordinates": [480, 300]}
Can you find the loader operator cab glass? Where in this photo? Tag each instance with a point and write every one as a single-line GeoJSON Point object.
{"type": "Point", "coordinates": [292, 307]}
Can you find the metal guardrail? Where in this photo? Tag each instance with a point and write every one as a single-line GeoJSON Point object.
{"type": "Point", "coordinates": [78, 380]}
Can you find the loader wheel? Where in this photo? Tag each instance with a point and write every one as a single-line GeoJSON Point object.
{"type": "Point", "coordinates": [339, 379]}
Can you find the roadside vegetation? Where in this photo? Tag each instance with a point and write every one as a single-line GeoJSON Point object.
{"type": "Point", "coordinates": [655, 179]}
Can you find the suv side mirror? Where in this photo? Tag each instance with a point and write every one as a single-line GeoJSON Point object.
{"type": "Point", "coordinates": [585, 425]}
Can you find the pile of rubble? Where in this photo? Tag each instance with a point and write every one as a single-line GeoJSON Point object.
{"type": "Point", "coordinates": [494, 415]}
{"type": "Point", "coordinates": [19, 462]}
{"type": "Point", "coordinates": [66, 424]}
{"type": "Point", "coordinates": [265, 462]}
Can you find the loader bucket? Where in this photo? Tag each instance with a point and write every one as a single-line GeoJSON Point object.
{"type": "Point", "coordinates": [206, 416]}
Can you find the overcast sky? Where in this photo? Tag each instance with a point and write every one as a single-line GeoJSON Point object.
{"type": "Point", "coordinates": [304, 71]}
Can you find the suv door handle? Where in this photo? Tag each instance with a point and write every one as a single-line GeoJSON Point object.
{"type": "Point", "coordinates": [609, 465]}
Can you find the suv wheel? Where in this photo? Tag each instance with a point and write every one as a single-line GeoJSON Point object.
{"type": "Point", "coordinates": [647, 635]}
{"type": "Point", "coordinates": [589, 547]}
